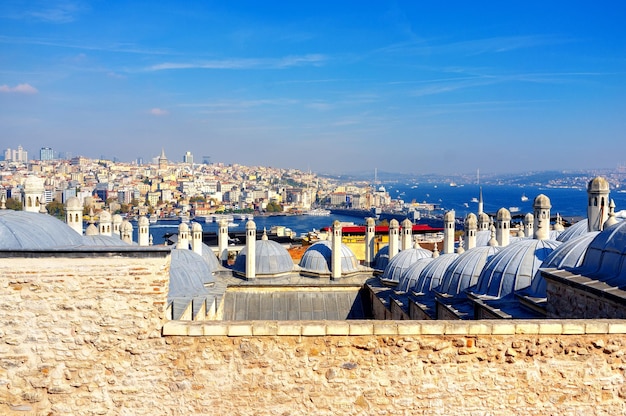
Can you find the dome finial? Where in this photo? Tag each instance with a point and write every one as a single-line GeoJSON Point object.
{"type": "Point", "coordinates": [3, 200]}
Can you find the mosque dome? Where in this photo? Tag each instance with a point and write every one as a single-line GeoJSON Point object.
{"type": "Point", "coordinates": [471, 221]}
{"type": "Point", "coordinates": [189, 273]}
{"type": "Point", "coordinates": [483, 218]}
{"type": "Point", "coordinates": [570, 254]}
{"type": "Point", "coordinates": [104, 240]}
{"type": "Point", "coordinates": [514, 267]}
{"type": "Point", "coordinates": [482, 238]}
{"type": "Point", "coordinates": [401, 262]}
{"type": "Point", "coordinates": [464, 271]}
{"type": "Point", "coordinates": [411, 275]}
{"type": "Point", "coordinates": [598, 184]}
{"type": "Point", "coordinates": [606, 256]}
{"type": "Point", "coordinates": [430, 276]}
{"type": "Point", "coordinates": [21, 230]}
{"type": "Point", "coordinates": [381, 259]}
{"type": "Point", "coordinates": [210, 258]}
{"type": "Point", "coordinates": [573, 231]}
{"type": "Point", "coordinates": [270, 259]}
{"type": "Point", "coordinates": [317, 258]}
{"type": "Point", "coordinates": [73, 203]}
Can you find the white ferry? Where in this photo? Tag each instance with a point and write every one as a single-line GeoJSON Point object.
{"type": "Point", "coordinates": [318, 212]}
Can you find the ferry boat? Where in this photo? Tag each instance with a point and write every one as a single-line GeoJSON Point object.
{"type": "Point", "coordinates": [318, 212]}
{"type": "Point", "coordinates": [524, 198]}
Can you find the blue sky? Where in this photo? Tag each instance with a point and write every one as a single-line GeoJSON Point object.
{"type": "Point", "coordinates": [331, 86]}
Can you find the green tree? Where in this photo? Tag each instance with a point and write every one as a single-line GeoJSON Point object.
{"type": "Point", "coordinates": [14, 204]}
{"type": "Point", "coordinates": [273, 206]}
{"type": "Point", "coordinates": [56, 209]}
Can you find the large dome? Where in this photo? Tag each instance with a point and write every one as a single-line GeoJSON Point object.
{"type": "Point", "coordinates": [410, 277]}
{"type": "Point", "coordinates": [21, 230]}
{"type": "Point", "coordinates": [568, 255]}
{"type": "Point", "coordinates": [270, 259]}
{"type": "Point", "coordinates": [514, 267]}
{"type": "Point", "coordinates": [381, 259]}
{"type": "Point", "coordinates": [188, 274]}
{"type": "Point", "coordinates": [402, 261]}
{"type": "Point", "coordinates": [464, 271]}
{"type": "Point", "coordinates": [606, 256]}
{"type": "Point", "coordinates": [431, 276]}
{"type": "Point", "coordinates": [317, 259]}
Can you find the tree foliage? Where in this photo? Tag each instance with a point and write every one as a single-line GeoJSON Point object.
{"type": "Point", "coordinates": [273, 206]}
{"type": "Point", "coordinates": [56, 209]}
{"type": "Point", "coordinates": [14, 204]}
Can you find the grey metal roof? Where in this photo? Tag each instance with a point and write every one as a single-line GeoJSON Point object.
{"type": "Point", "coordinates": [210, 258]}
{"type": "Point", "coordinates": [189, 272]}
{"type": "Point", "coordinates": [411, 275]}
{"type": "Point", "coordinates": [270, 259]}
{"type": "Point", "coordinates": [381, 259]}
{"type": "Point", "coordinates": [606, 256]}
{"type": "Point", "coordinates": [317, 258]}
{"type": "Point", "coordinates": [21, 230]}
{"type": "Point", "coordinates": [430, 277]}
{"type": "Point", "coordinates": [513, 268]}
{"type": "Point", "coordinates": [104, 240]}
{"type": "Point", "coordinates": [293, 305]}
{"type": "Point", "coordinates": [573, 231]}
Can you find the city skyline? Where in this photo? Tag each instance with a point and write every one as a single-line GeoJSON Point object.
{"type": "Point", "coordinates": [328, 87]}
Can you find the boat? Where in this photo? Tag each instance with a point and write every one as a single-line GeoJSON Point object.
{"type": "Point", "coordinates": [152, 219]}
{"type": "Point", "coordinates": [514, 209]}
{"type": "Point", "coordinates": [475, 200]}
{"type": "Point", "coordinates": [318, 212]}
{"type": "Point", "coordinates": [524, 198]}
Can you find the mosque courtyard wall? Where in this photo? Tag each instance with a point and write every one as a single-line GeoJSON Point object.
{"type": "Point", "coordinates": [84, 333]}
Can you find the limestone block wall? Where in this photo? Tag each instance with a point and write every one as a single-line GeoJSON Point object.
{"type": "Point", "coordinates": [580, 302]}
{"type": "Point", "coordinates": [86, 336]}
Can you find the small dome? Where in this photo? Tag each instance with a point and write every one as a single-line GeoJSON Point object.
{"type": "Point", "coordinates": [568, 255]}
{"type": "Point", "coordinates": [393, 223]}
{"type": "Point", "coordinates": [381, 259]}
{"type": "Point", "coordinates": [34, 184]}
{"type": "Point", "coordinates": [21, 230]}
{"type": "Point", "coordinates": [430, 277]}
{"type": "Point", "coordinates": [464, 271]}
{"type": "Point", "coordinates": [91, 230]}
{"type": "Point", "coordinates": [117, 219]}
{"type": "Point", "coordinates": [503, 215]}
{"type": "Point", "coordinates": [126, 227]}
{"type": "Point", "coordinates": [188, 274]}
{"type": "Point", "coordinates": [542, 202]}
{"type": "Point", "coordinates": [183, 227]}
{"type": "Point", "coordinates": [210, 258]}
{"type": "Point", "coordinates": [402, 261]}
{"type": "Point", "coordinates": [73, 203]}
{"type": "Point", "coordinates": [143, 221]}
{"type": "Point", "coordinates": [514, 267]}
{"type": "Point", "coordinates": [407, 224]}
{"type": "Point", "coordinates": [409, 278]}
{"type": "Point", "coordinates": [270, 259]}
{"type": "Point", "coordinates": [598, 185]}
{"type": "Point", "coordinates": [195, 227]}
{"type": "Point", "coordinates": [317, 258]}
{"type": "Point", "coordinates": [449, 216]}
{"type": "Point", "coordinates": [471, 221]}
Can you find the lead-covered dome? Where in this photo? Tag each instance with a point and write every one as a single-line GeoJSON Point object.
{"type": "Point", "coordinates": [401, 262]}
{"type": "Point", "coordinates": [409, 278]}
{"type": "Point", "coordinates": [514, 267]}
{"type": "Point", "coordinates": [464, 271]}
{"type": "Point", "coordinates": [430, 276]}
{"type": "Point", "coordinates": [21, 230]}
{"type": "Point", "coordinates": [317, 259]}
{"type": "Point", "coordinates": [606, 256]}
{"type": "Point", "coordinates": [271, 259]}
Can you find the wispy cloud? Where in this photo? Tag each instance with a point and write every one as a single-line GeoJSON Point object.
{"type": "Point", "coordinates": [159, 112]}
{"type": "Point", "coordinates": [49, 11]}
{"type": "Point", "coordinates": [19, 89]}
{"type": "Point", "coordinates": [245, 63]}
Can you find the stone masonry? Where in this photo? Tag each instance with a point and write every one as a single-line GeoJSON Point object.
{"type": "Point", "coordinates": [86, 335]}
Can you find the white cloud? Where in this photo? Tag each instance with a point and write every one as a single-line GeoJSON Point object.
{"type": "Point", "coordinates": [245, 63]}
{"type": "Point", "coordinates": [159, 112]}
{"type": "Point", "coordinates": [19, 89]}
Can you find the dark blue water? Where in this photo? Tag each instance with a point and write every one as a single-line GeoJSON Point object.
{"type": "Point", "coordinates": [569, 202]}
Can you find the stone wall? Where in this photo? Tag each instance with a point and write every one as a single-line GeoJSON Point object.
{"type": "Point", "coordinates": [86, 336]}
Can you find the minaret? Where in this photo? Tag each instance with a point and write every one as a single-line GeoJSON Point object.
{"type": "Point", "coordinates": [143, 232]}
{"type": "Point", "coordinates": [541, 207]}
{"type": "Point", "coordinates": [529, 225]}
{"type": "Point", "coordinates": [250, 250]}
{"type": "Point", "coordinates": [74, 214]}
{"type": "Point", "coordinates": [104, 223]}
{"type": "Point", "coordinates": [470, 230]}
{"type": "Point", "coordinates": [503, 227]}
{"type": "Point", "coordinates": [407, 234]}
{"type": "Point", "coordinates": [126, 232]}
{"type": "Point", "coordinates": [183, 236]}
{"type": "Point", "coordinates": [598, 201]}
{"type": "Point", "coordinates": [448, 232]}
{"type": "Point", "coordinates": [196, 238]}
{"type": "Point", "coordinates": [222, 242]}
{"type": "Point", "coordinates": [370, 235]}
{"type": "Point", "coordinates": [483, 222]}
{"type": "Point", "coordinates": [480, 200]}
{"type": "Point", "coordinates": [335, 266]}
{"type": "Point", "coordinates": [393, 238]}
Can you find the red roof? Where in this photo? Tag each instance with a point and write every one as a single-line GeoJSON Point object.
{"type": "Point", "coordinates": [383, 229]}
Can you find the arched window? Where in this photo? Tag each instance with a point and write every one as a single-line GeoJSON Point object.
{"type": "Point", "coordinates": [29, 202]}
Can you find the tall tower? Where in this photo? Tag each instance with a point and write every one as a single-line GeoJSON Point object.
{"type": "Point", "coordinates": [370, 235]}
{"type": "Point", "coordinates": [393, 238]}
{"type": "Point", "coordinates": [503, 227]}
{"type": "Point", "coordinates": [407, 234]}
{"type": "Point", "coordinates": [541, 208]}
{"type": "Point", "coordinates": [335, 255]}
{"type": "Point", "coordinates": [250, 250]}
{"type": "Point", "coordinates": [529, 225]}
{"type": "Point", "coordinates": [471, 225]}
{"type": "Point", "coordinates": [480, 200]}
{"type": "Point", "coordinates": [162, 160]}
{"type": "Point", "coordinates": [33, 191]}
{"type": "Point", "coordinates": [448, 232]}
{"type": "Point", "coordinates": [598, 203]}
{"type": "Point", "coordinates": [196, 238]}
{"type": "Point", "coordinates": [222, 241]}
{"type": "Point", "coordinates": [104, 223]}
{"type": "Point", "coordinates": [143, 232]}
